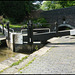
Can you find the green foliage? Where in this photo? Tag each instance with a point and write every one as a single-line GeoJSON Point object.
{"type": "Point", "coordinates": [36, 47]}
{"type": "Point", "coordinates": [62, 3]}
{"type": "Point", "coordinates": [37, 7]}
{"type": "Point", "coordinates": [3, 69]}
{"type": "Point", "coordinates": [27, 64]}
{"type": "Point", "coordinates": [46, 5]}
{"type": "Point", "coordinates": [49, 5]}
{"type": "Point", "coordinates": [66, 3]}
{"type": "Point", "coordinates": [13, 9]}
{"type": "Point", "coordinates": [5, 20]}
{"type": "Point", "coordinates": [20, 71]}
{"type": "Point", "coordinates": [57, 6]}
{"type": "Point", "coordinates": [13, 21]}
{"type": "Point", "coordinates": [16, 11]}
{"type": "Point", "coordinates": [39, 22]}
{"type": "Point", "coordinates": [15, 26]}
{"type": "Point", "coordinates": [16, 63]}
{"type": "Point", "coordinates": [19, 61]}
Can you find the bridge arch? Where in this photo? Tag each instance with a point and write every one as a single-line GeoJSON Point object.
{"type": "Point", "coordinates": [64, 27]}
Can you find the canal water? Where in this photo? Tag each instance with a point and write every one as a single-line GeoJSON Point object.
{"type": "Point", "coordinates": [6, 53]}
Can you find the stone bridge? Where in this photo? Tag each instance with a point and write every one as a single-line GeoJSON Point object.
{"type": "Point", "coordinates": [65, 17]}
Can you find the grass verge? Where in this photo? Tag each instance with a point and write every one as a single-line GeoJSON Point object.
{"type": "Point", "coordinates": [19, 61]}
{"type": "Point", "coordinates": [15, 26]}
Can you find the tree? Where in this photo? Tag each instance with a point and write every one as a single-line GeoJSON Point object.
{"type": "Point", "coordinates": [16, 10]}
{"type": "Point", "coordinates": [49, 5]}
{"type": "Point", "coordinates": [46, 5]}
{"type": "Point", "coordinates": [66, 3]}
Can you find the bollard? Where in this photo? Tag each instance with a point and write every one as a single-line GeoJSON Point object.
{"type": "Point", "coordinates": [30, 32]}
{"type": "Point", "coordinates": [56, 27]}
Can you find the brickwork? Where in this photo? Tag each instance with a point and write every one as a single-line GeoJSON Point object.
{"type": "Point", "coordinates": [59, 15]}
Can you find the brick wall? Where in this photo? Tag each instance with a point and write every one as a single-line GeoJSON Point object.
{"type": "Point", "coordinates": [59, 14]}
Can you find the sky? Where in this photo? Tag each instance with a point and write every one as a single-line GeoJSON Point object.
{"type": "Point", "coordinates": [38, 2]}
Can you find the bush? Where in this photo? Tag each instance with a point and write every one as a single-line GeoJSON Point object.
{"type": "Point", "coordinates": [12, 21]}
{"type": "Point", "coordinates": [40, 22]}
{"type": "Point", "coordinates": [16, 11]}
{"type": "Point", "coordinates": [5, 20]}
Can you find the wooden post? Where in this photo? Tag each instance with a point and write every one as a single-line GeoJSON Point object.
{"type": "Point", "coordinates": [8, 30]}
{"type": "Point", "coordinates": [8, 37]}
{"type": "Point", "coordinates": [3, 28]}
{"type": "Point", "coordinates": [30, 33]}
{"type": "Point", "coordinates": [56, 27]}
{"type": "Point", "coordinates": [13, 43]}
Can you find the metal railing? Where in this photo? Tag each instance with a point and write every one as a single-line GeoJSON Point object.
{"type": "Point", "coordinates": [11, 29]}
{"type": "Point", "coordinates": [24, 30]}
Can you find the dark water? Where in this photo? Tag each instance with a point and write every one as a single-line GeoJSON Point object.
{"type": "Point", "coordinates": [6, 53]}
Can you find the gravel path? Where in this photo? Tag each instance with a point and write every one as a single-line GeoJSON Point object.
{"type": "Point", "coordinates": [58, 60]}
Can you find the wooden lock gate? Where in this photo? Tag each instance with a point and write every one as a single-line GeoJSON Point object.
{"type": "Point", "coordinates": [32, 37]}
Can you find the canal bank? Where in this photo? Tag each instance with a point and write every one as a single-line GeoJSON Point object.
{"type": "Point", "coordinates": [57, 57]}
{"type": "Point", "coordinates": [5, 53]}
{"type": "Point", "coordinates": [31, 57]}
{"type": "Point", "coordinates": [2, 40]}
{"type": "Point", "coordinates": [58, 60]}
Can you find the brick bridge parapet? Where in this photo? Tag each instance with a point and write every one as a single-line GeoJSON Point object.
{"type": "Point", "coordinates": [60, 15]}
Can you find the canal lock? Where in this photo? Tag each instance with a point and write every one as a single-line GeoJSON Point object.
{"type": "Point", "coordinates": [5, 52]}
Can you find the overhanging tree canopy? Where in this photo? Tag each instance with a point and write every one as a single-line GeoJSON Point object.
{"type": "Point", "coordinates": [48, 5]}
{"type": "Point", "coordinates": [16, 10]}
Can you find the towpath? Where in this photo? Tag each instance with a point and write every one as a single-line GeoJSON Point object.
{"type": "Point", "coordinates": [57, 57]}
{"type": "Point", "coordinates": [58, 60]}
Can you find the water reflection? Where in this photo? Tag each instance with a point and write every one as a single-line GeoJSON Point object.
{"type": "Point", "coordinates": [6, 53]}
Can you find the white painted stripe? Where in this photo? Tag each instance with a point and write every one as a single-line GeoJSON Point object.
{"type": "Point", "coordinates": [72, 32]}
{"type": "Point", "coordinates": [30, 39]}
{"type": "Point", "coordinates": [36, 42]}
{"type": "Point", "coordinates": [25, 42]}
{"type": "Point", "coordinates": [33, 42]}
